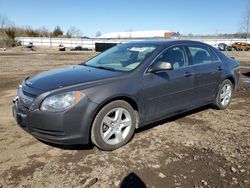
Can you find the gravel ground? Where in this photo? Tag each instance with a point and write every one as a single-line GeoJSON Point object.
{"type": "Point", "coordinates": [202, 148]}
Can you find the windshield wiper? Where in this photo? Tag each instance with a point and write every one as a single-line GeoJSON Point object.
{"type": "Point", "coordinates": [106, 68]}
{"type": "Point", "coordinates": [84, 64]}
{"type": "Point", "coordinates": [101, 67]}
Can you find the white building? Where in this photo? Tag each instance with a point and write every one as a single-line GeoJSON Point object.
{"type": "Point", "coordinates": [137, 34]}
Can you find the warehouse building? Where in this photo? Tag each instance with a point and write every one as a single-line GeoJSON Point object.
{"type": "Point", "coordinates": [139, 34]}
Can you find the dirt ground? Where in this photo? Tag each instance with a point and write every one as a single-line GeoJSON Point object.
{"type": "Point", "coordinates": [203, 148]}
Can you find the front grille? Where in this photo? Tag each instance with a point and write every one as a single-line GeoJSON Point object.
{"type": "Point", "coordinates": [24, 99]}
{"type": "Point", "coordinates": [29, 94]}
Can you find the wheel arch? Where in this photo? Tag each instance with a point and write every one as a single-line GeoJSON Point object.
{"type": "Point", "coordinates": [227, 77]}
{"type": "Point", "coordinates": [231, 78]}
{"type": "Point", "coordinates": [127, 99]}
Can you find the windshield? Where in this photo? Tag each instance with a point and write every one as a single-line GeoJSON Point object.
{"type": "Point", "coordinates": [124, 57]}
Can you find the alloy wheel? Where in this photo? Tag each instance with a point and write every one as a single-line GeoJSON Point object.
{"type": "Point", "coordinates": [115, 126]}
{"type": "Point", "coordinates": [226, 94]}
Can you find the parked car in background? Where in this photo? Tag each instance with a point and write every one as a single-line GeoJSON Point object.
{"type": "Point", "coordinates": [80, 48]}
{"type": "Point", "coordinates": [228, 48]}
{"type": "Point", "coordinates": [240, 46]}
{"type": "Point", "coordinates": [245, 46]}
{"type": "Point", "coordinates": [61, 47]}
{"type": "Point", "coordinates": [222, 46]}
{"type": "Point", "coordinates": [31, 46]}
{"type": "Point", "coordinates": [124, 88]}
{"type": "Point", "coordinates": [236, 46]}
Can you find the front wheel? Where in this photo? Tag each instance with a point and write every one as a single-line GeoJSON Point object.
{"type": "Point", "coordinates": [224, 95]}
{"type": "Point", "coordinates": [114, 125]}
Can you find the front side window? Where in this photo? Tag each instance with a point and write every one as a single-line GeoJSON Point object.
{"type": "Point", "coordinates": [175, 56]}
{"type": "Point", "coordinates": [201, 55]}
{"type": "Point", "coordinates": [124, 57]}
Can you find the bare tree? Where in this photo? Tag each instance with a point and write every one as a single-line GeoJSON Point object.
{"type": "Point", "coordinates": [57, 32]}
{"type": "Point", "coordinates": [245, 25]}
{"type": "Point", "coordinates": [4, 21]}
{"type": "Point", "coordinates": [7, 31]}
{"type": "Point", "coordinates": [73, 32]}
{"type": "Point", "coordinates": [43, 32]}
{"type": "Point", "coordinates": [98, 34]}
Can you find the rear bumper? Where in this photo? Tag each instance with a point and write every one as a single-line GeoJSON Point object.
{"type": "Point", "coordinates": [66, 128]}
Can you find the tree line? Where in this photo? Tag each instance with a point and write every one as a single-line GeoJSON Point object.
{"type": "Point", "coordinates": [8, 32]}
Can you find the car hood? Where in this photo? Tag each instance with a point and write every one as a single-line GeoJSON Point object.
{"type": "Point", "coordinates": [68, 76]}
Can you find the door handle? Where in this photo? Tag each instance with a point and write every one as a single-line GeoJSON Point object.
{"type": "Point", "coordinates": [220, 68]}
{"type": "Point", "coordinates": [188, 74]}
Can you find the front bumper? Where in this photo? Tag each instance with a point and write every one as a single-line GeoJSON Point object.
{"type": "Point", "coordinates": [68, 127]}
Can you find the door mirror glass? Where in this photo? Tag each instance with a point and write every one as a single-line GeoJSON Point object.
{"type": "Point", "coordinates": [160, 66]}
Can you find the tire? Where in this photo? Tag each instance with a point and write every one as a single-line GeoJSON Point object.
{"type": "Point", "coordinates": [114, 125]}
{"type": "Point", "coordinates": [224, 95]}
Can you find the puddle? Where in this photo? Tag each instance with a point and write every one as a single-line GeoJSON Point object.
{"type": "Point", "coordinates": [245, 80]}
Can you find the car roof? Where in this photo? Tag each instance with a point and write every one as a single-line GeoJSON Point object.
{"type": "Point", "coordinates": [167, 42]}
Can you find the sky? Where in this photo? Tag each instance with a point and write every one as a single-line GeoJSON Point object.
{"type": "Point", "coordinates": [90, 16]}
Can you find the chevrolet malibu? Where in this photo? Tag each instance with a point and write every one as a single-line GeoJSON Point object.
{"type": "Point", "coordinates": [122, 89]}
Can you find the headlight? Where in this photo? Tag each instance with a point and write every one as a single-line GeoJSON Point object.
{"type": "Point", "coordinates": [61, 102]}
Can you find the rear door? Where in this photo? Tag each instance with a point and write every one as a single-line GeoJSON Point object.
{"type": "Point", "coordinates": [169, 91]}
{"type": "Point", "coordinates": [207, 72]}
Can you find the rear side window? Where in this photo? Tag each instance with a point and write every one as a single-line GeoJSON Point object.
{"type": "Point", "coordinates": [202, 55]}
{"type": "Point", "coordinates": [214, 56]}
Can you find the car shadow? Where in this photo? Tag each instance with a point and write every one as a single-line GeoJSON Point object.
{"type": "Point", "coordinates": [89, 146]}
{"type": "Point", "coordinates": [173, 118]}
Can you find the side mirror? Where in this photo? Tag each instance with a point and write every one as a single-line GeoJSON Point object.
{"type": "Point", "coordinates": [160, 66]}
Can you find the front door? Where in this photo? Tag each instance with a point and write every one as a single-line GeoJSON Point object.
{"type": "Point", "coordinates": [170, 91]}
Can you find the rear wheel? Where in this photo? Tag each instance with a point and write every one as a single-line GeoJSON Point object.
{"type": "Point", "coordinates": [114, 125]}
{"type": "Point", "coordinates": [224, 95]}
